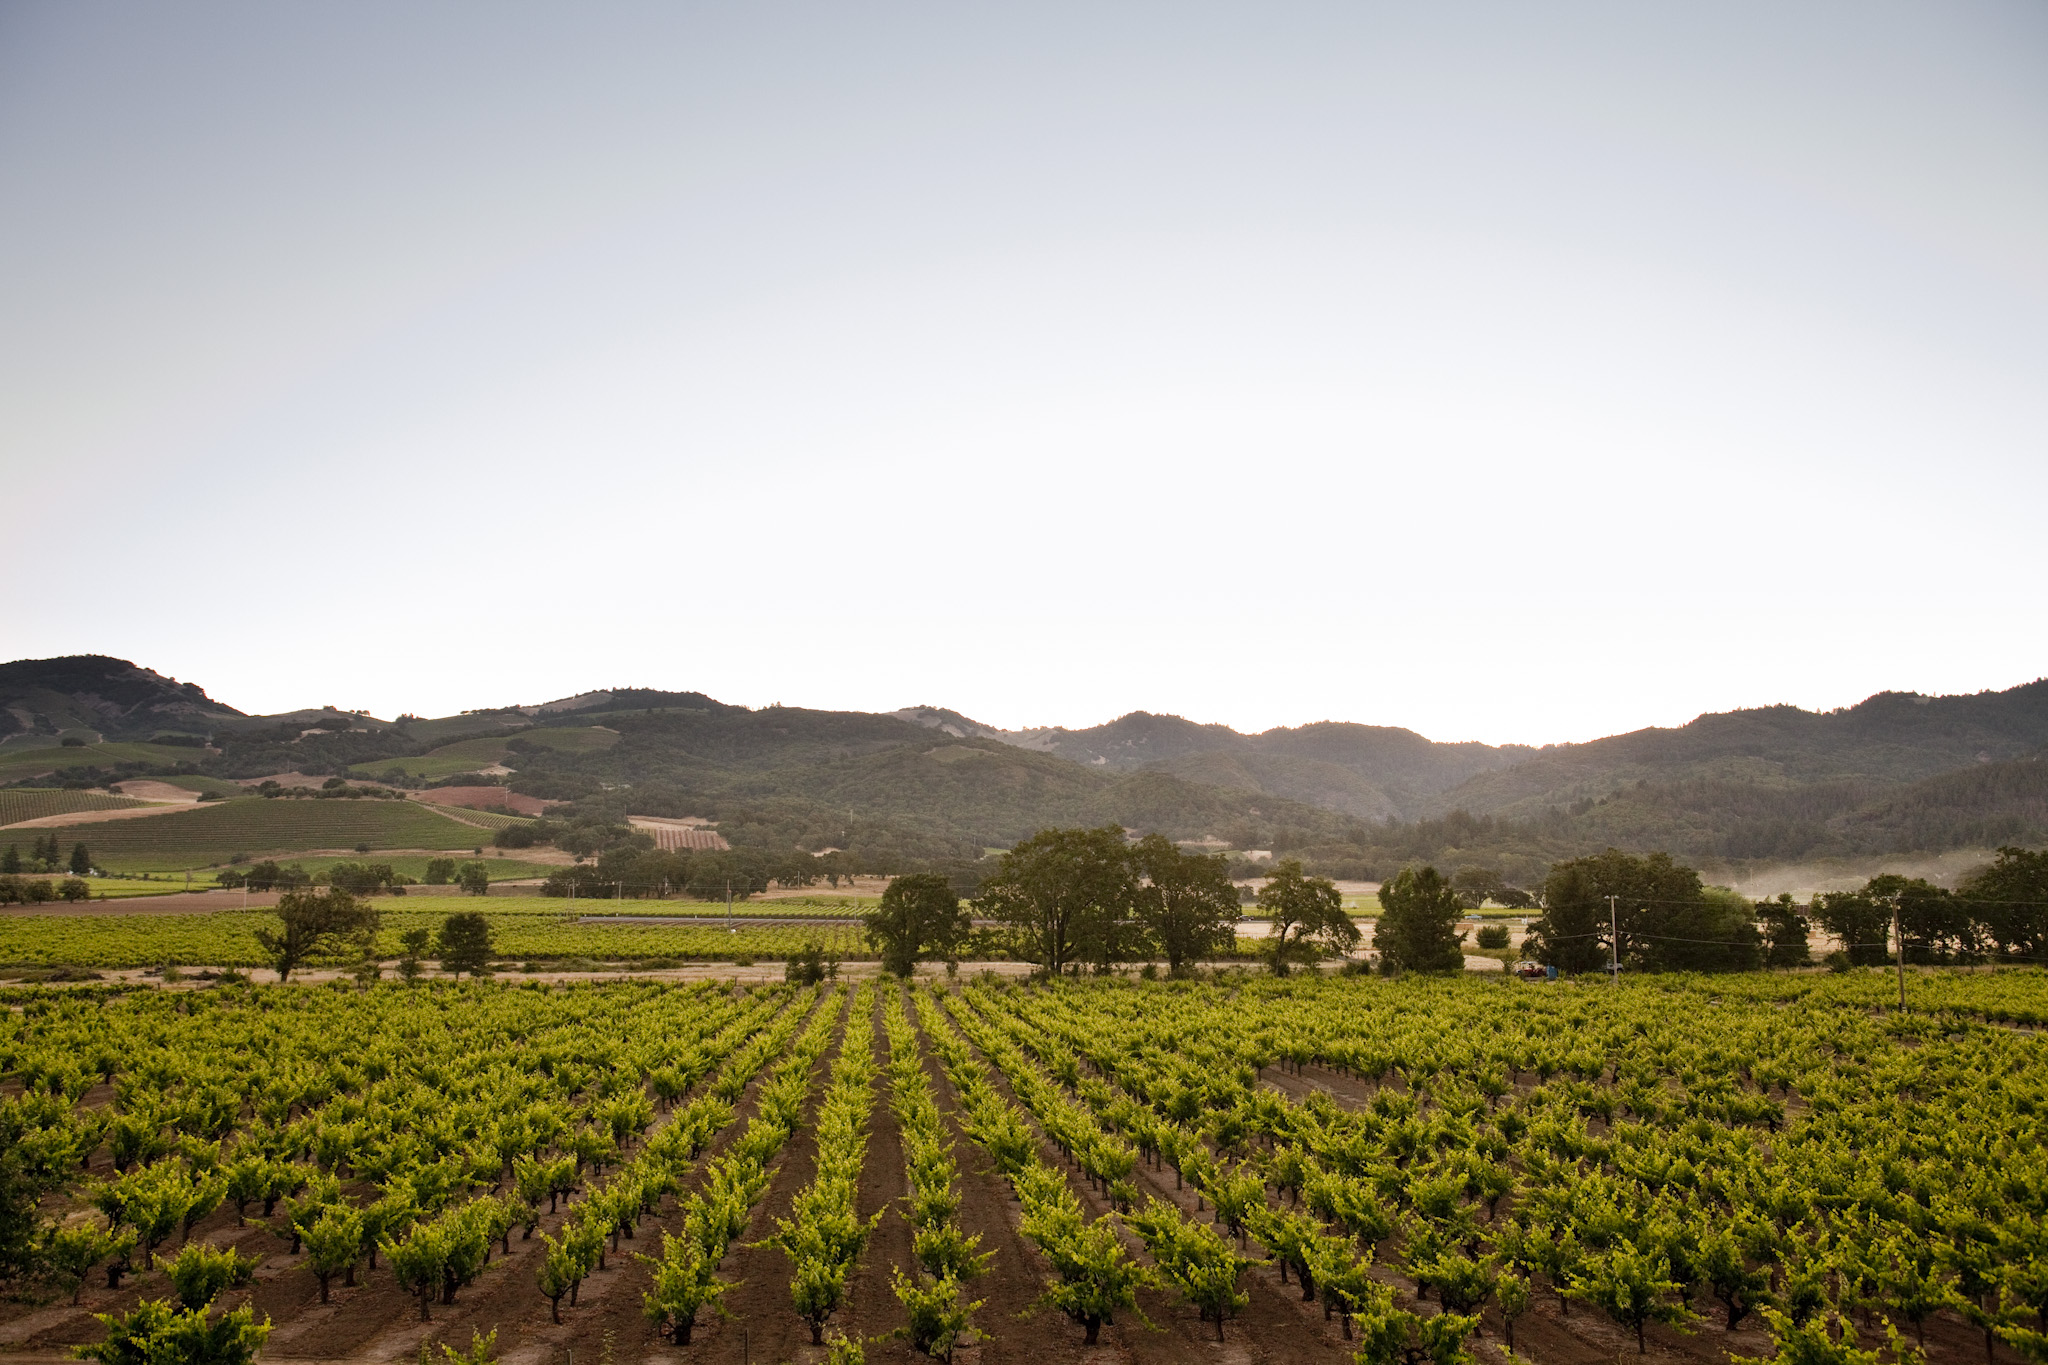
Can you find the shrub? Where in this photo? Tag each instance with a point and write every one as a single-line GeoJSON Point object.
{"type": "Point", "coordinates": [156, 1331]}
{"type": "Point", "coordinates": [1493, 937]}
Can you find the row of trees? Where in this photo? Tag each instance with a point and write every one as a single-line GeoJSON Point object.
{"type": "Point", "coordinates": [1090, 896]}
{"type": "Point", "coordinates": [1070, 896]}
{"type": "Point", "coordinates": [46, 854]}
{"type": "Point", "coordinates": [1653, 914]}
{"type": "Point", "coordinates": [335, 924]}
{"type": "Point", "coordinates": [1998, 914]}
{"type": "Point", "coordinates": [41, 890]}
{"type": "Point", "coordinates": [634, 870]}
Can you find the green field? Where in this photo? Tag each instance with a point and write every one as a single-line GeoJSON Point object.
{"type": "Point", "coordinates": [227, 938]}
{"type": "Point", "coordinates": [24, 763]}
{"type": "Point", "coordinates": [470, 755]}
{"type": "Point", "coordinates": [218, 786]}
{"type": "Point", "coordinates": [215, 832]}
{"type": "Point", "coordinates": [33, 803]}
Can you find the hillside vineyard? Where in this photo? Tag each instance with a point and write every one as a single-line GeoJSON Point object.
{"type": "Point", "coordinates": [1380, 1170]}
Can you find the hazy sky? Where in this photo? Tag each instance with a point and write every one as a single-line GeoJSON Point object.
{"type": "Point", "coordinates": [1511, 372]}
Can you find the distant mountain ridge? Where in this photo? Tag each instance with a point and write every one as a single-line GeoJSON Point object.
{"type": "Point", "coordinates": [1896, 773]}
{"type": "Point", "coordinates": [1373, 772]}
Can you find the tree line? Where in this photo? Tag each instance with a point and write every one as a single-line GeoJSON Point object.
{"type": "Point", "coordinates": [1072, 898]}
{"type": "Point", "coordinates": [1652, 913]}
{"type": "Point", "coordinates": [1068, 898]}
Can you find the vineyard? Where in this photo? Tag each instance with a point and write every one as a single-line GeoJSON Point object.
{"type": "Point", "coordinates": [31, 803]}
{"type": "Point", "coordinates": [228, 938]}
{"type": "Point", "coordinates": [1315, 1169]}
{"type": "Point", "coordinates": [213, 833]}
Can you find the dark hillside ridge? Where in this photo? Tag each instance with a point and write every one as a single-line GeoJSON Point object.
{"type": "Point", "coordinates": [111, 698]}
{"type": "Point", "coordinates": [1373, 772]}
{"type": "Point", "coordinates": [824, 776]}
{"type": "Point", "coordinates": [1891, 738]}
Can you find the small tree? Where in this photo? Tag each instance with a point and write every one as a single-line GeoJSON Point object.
{"type": "Point", "coordinates": [74, 889]}
{"type": "Point", "coordinates": [816, 1290]}
{"type": "Point", "coordinates": [71, 1252]}
{"type": "Point", "coordinates": [420, 1263]}
{"type": "Point", "coordinates": [1394, 1336]}
{"type": "Point", "coordinates": [1784, 931]}
{"type": "Point", "coordinates": [1726, 1271]}
{"type": "Point", "coordinates": [1097, 1276]}
{"type": "Point", "coordinates": [1070, 893]}
{"type": "Point", "coordinates": [805, 966]}
{"type": "Point", "coordinates": [465, 944]}
{"type": "Point", "coordinates": [413, 945]}
{"type": "Point", "coordinates": [1511, 1293]}
{"type": "Point", "coordinates": [1303, 910]}
{"type": "Point", "coordinates": [1632, 1287]}
{"type": "Point", "coordinates": [939, 1321]}
{"type": "Point", "coordinates": [333, 1244]}
{"type": "Point", "coordinates": [311, 921]}
{"type": "Point", "coordinates": [1418, 924]}
{"type": "Point", "coordinates": [559, 1272]}
{"type": "Point", "coordinates": [1188, 901]}
{"type": "Point", "coordinates": [200, 1272]}
{"type": "Point", "coordinates": [685, 1283]}
{"type": "Point", "coordinates": [475, 879]}
{"type": "Point", "coordinates": [81, 861]}
{"type": "Point", "coordinates": [920, 918]}
{"type": "Point", "coordinates": [440, 872]}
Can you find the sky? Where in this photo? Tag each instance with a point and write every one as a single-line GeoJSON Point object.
{"type": "Point", "coordinates": [1508, 372]}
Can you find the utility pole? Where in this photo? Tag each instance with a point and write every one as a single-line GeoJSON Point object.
{"type": "Point", "coordinates": [1613, 945]}
{"type": "Point", "coordinates": [1899, 938]}
{"type": "Point", "coordinates": [728, 905]}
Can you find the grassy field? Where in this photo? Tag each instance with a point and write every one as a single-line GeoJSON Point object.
{"type": "Point", "coordinates": [31, 803]}
{"type": "Point", "coordinates": [215, 832]}
{"type": "Point", "coordinates": [219, 786]}
{"type": "Point", "coordinates": [18, 764]}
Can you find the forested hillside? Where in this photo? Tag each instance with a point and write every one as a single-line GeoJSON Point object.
{"type": "Point", "coordinates": [1897, 773]}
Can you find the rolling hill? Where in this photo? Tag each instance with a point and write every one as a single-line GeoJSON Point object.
{"type": "Point", "coordinates": [1896, 773]}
